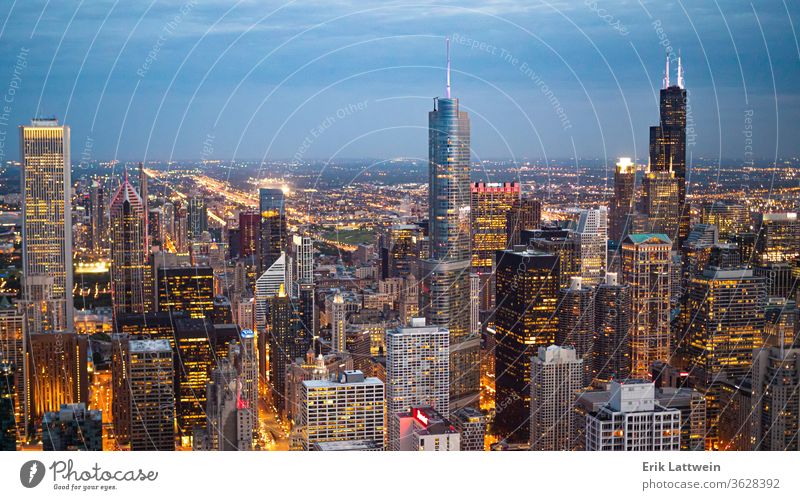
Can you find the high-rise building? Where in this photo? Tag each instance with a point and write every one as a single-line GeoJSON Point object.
{"type": "Point", "coordinates": [46, 226]}
{"type": "Point", "coordinates": [249, 225]}
{"type": "Point", "coordinates": [273, 235]}
{"type": "Point", "coordinates": [195, 359]}
{"type": "Point", "coordinates": [646, 264]}
{"type": "Point", "coordinates": [150, 381]}
{"type": "Point", "coordinates": [13, 348]}
{"type": "Point", "coordinates": [778, 237]}
{"type": "Point", "coordinates": [633, 420]}
{"type": "Point", "coordinates": [660, 203]}
{"type": "Point", "coordinates": [57, 372]}
{"type": "Point", "coordinates": [285, 343]}
{"type": "Point", "coordinates": [8, 419]}
{"type": "Point", "coordinates": [197, 212]}
{"type": "Point", "coordinates": [245, 360]}
{"type": "Point", "coordinates": [668, 146]}
{"type": "Point", "coordinates": [721, 325]}
{"type": "Point", "coordinates": [445, 285]}
{"type": "Point", "coordinates": [188, 288]}
{"type": "Point", "coordinates": [489, 207]}
{"type": "Point", "coordinates": [72, 428]}
{"type": "Point", "coordinates": [776, 399]}
{"type": "Point", "coordinates": [338, 317]}
{"type": "Point", "coordinates": [575, 317]}
{"type": "Point", "coordinates": [527, 294]}
{"type": "Point", "coordinates": [303, 262]}
{"type": "Point", "coordinates": [131, 274]}
{"type": "Point", "coordinates": [471, 426]}
{"type": "Point", "coordinates": [612, 307]}
{"type": "Point", "coordinates": [730, 218]}
{"type": "Point", "coordinates": [417, 370]}
{"type": "Point", "coordinates": [556, 378]}
{"type": "Point", "coordinates": [267, 285]}
{"type": "Point", "coordinates": [525, 214]}
{"type": "Point", "coordinates": [347, 408]}
{"type": "Point", "coordinates": [622, 203]}
{"type": "Point", "coordinates": [561, 242]}
{"type": "Point", "coordinates": [592, 236]}
{"type": "Point", "coordinates": [229, 418]}
{"type": "Point", "coordinates": [399, 250]}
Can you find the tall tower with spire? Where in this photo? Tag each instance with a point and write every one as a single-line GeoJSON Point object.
{"type": "Point", "coordinates": [131, 279]}
{"type": "Point", "coordinates": [445, 294]}
{"type": "Point", "coordinates": [668, 152]}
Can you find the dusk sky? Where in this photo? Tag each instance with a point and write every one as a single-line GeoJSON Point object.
{"type": "Point", "coordinates": [319, 79]}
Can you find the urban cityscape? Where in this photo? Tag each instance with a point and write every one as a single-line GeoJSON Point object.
{"type": "Point", "coordinates": [450, 302]}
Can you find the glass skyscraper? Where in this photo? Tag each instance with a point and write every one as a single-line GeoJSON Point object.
{"type": "Point", "coordinates": [445, 275]}
{"type": "Point", "coordinates": [272, 240]}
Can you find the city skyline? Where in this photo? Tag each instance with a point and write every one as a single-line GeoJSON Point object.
{"type": "Point", "coordinates": [438, 303]}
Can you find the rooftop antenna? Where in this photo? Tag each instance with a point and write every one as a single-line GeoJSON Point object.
{"type": "Point", "coordinates": [447, 93]}
{"type": "Point", "coordinates": [680, 72]}
{"type": "Point", "coordinates": [666, 74]}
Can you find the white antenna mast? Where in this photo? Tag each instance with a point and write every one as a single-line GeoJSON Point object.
{"type": "Point", "coordinates": [666, 74]}
{"type": "Point", "coordinates": [680, 73]}
{"type": "Point", "coordinates": [448, 68]}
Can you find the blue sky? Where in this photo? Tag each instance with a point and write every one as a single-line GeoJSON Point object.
{"type": "Point", "coordinates": [336, 78]}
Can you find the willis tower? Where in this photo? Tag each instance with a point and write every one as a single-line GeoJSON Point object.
{"type": "Point", "coordinates": [668, 143]}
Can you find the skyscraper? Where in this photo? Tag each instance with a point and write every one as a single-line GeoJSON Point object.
{"type": "Point", "coordinates": [646, 265]}
{"type": "Point", "coordinates": [229, 418]}
{"type": "Point", "coordinates": [188, 288]}
{"type": "Point", "coordinates": [525, 214]}
{"type": "Point", "coordinates": [249, 222]}
{"type": "Point", "coordinates": [489, 208]}
{"type": "Point", "coordinates": [556, 378]}
{"type": "Point", "coordinates": [46, 226]}
{"type": "Point", "coordinates": [576, 324]}
{"type": "Point", "coordinates": [198, 217]}
{"type": "Point", "coordinates": [622, 203]}
{"type": "Point", "coordinates": [338, 324]}
{"type": "Point", "coordinates": [8, 420]}
{"type": "Point", "coordinates": [57, 372]}
{"type": "Point", "coordinates": [633, 420]}
{"type": "Point", "coordinates": [417, 370]}
{"type": "Point", "coordinates": [13, 349]}
{"type": "Point", "coordinates": [668, 146]}
{"type": "Point", "coordinates": [150, 383]}
{"type": "Point", "coordinates": [445, 275]}
{"type": "Point", "coordinates": [592, 236]}
{"type": "Point", "coordinates": [347, 408]}
{"type": "Point", "coordinates": [776, 399]}
{"type": "Point", "coordinates": [273, 236]}
{"type": "Point", "coordinates": [399, 250]}
{"type": "Point", "coordinates": [130, 269]}
{"type": "Point", "coordinates": [612, 307]}
{"type": "Point", "coordinates": [527, 294]}
{"type": "Point", "coordinates": [72, 427]}
{"type": "Point", "coordinates": [721, 325]}
{"type": "Point", "coordinates": [284, 343]}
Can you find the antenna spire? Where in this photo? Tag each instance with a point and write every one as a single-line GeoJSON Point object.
{"type": "Point", "coordinates": [680, 72]}
{"type": "Point", "coordinates": [666, 74]}
{"type": "Point", "coordinates": [447, 93]}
